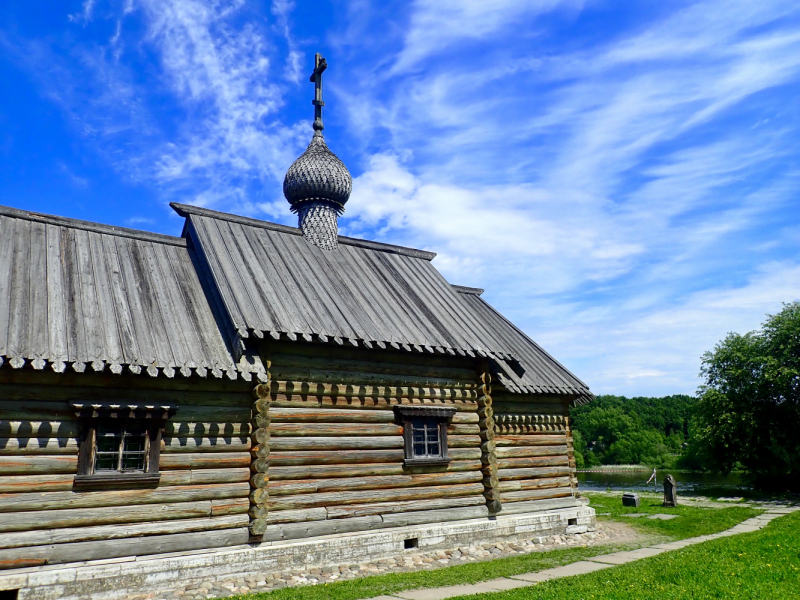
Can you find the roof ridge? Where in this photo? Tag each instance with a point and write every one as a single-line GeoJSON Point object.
{"type": "Point", "coordinates": [186, 210]}
{"type": "Point", "coordinates": [137, 234]}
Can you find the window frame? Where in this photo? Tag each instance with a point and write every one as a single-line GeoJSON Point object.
{"type": "Point", "coordinates": [92, 416]}
{"type": "Point", "coordinates": [405, 415]}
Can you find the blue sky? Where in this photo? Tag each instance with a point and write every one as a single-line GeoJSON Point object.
{"type": "Point", "coordinates": [621, 177]}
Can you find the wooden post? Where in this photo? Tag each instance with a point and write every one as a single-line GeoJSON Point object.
{"type": "Point", "coordinates": [259, 465]}
{"type": "Point", "coordinates": [491, 485]}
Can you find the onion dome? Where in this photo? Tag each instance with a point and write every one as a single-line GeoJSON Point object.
{"type": "Point", "coordinates": [317, 176]}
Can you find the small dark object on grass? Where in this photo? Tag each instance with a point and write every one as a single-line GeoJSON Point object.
{"type": "Point", "coordinates": [630, 499]}
{"type": "Point", "coordinates": [670, 492]}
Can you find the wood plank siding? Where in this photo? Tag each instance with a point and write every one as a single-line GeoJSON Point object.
{"type": "Point", "coordinates": [535, 459]}
{"type": "Point", "coordinates": [202, 496]}
{"type": "Point", "coordinates": [335, 451]}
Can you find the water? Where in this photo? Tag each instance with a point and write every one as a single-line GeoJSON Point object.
{"type": "Point", "coordinates": [694, 484]}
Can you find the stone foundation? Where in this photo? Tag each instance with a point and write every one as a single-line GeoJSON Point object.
{"type": "Point", "coordinates": [158, 575]}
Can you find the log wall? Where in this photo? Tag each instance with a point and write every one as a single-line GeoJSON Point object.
{"type": "Point", "coordinates": [533, 448]}
{"type": "Point", "coordinates": [332, 460]}
{"type": "Point", "coordinates": [201, 500]}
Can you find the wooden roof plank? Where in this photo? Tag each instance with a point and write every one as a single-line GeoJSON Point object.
{"type": "Point", "coordinates": [20, 292]}
{"type": "Point", "coordinates": [7, 238]}
{"type": "Point", "coordinates": [113, 353]}
{"type": "Point", "coordinates": [37, 325]}
{"type": "Point", "coordinates": [122, 309]}
{"type": "Point", "coordinates": [92, 319]}
{"type": "Point", "coordinates": [137, 305]}
{"type": "Point", "coordinates": [56, 316]}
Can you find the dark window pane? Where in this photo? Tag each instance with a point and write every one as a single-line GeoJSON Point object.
{"type": "Point", "coordinates": [108, 439]}
{"type": "Point", "coordinates": [113, 437]}
{"type": "Point", "coordinates": [433, 448]}
{"type": "Point", "coordinates": [133, 461]}
{"type": "Point", "coordinates": [133, 447]}
{"type": "Point", "coordinates": [106, 462]}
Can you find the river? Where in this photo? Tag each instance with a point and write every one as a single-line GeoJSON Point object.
{"type": "Point", "coordinates": [689, 483]}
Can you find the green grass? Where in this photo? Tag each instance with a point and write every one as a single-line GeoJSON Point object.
{"type": "Point", "coordinates": [763, 565]}
{"type": "Point", "coordinates": [691, 522]}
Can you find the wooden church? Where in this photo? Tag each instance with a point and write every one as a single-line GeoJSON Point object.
{"type": "Point", "coordinates": [251, 397]}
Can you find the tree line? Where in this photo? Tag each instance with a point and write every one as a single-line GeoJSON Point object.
{"type": "Point", "coordinates": [745, 416]}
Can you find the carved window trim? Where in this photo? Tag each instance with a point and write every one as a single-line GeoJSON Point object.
{"type": "Point", "coordinates": [92, 416]}
{"type": "Point", "coordinates": [406, 416]}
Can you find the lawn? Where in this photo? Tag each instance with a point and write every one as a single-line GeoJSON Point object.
{"type": "Point", "coordinates": [693, 521]}
{"type": "Point", "coordinates": [762, 565]}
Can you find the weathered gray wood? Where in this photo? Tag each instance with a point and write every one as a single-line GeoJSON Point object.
{"type": "Point", "coordinates": [35, 483]}
{"type": "Point", "coordinates": [19, 465]}
{"type": "Point", "coordinates": [288, 458]}
{"type": "Point", "coordinates": [222, 460]}
{"type": "Point", "coordinates": [20, 298]}
{"type": "Point", "coordinates": [116, 532]}
{"type": "Point", "coordinates": [528, 451]}
{"type": "Point", "coordinates": [38, 345]}
{"type": "Point", "coordinates": [387, 391]}
{"type": "Point", "coordinates": [229, 506]}
{"type": "Point", "coordinates": [32, 445]}
{"type": "Point", "coordinates": [154, 544]}
{"type": "Point", "coordinates": [335, 443]}
{"type": "Point", "coordinates": [7, 237]}
{"type": "Point", "coordinates": [533, 506]}
{"type": "Point", "coordinates": [304, 529]}
{"type": "Point", "coordinates": [308, 486]}
{"type": "Point", "coordinates": [385, 508]}
{"type": "Point", "coordinates": [111, 346]}
{"type": "Point", "coordinates": [277, 473]}
{"type": "Point", "coordinates": [533, 484]}
{"type": "Point", "coordinates": [293, 516]}
{"type": "Point", "coordinates": [56, 325]}
{"type": "Point", "coordinates": [287, 373]}
{"type": "Point", "coordinates": [540, 439]}
{"type": "Point", "coordinates": [61, 500]}
{"type": "Point", "coordinates": [434, 516]}
{"type": "Point", "coordinates": [369, 496]}
{"type": "Point", "coordinates": [171, 445]}
{"type": "Point", "coordinates": [334, 429]}
{"type": "Point", "coordinates": [532, 472]}
{"type": "Point", "coordinates": [55, 483]}
{"type": "Point", "coordinates": [330, 415]}
{"type": "Point", "coordinates": [87, 517]}
{"type": "Point", "coordinates": [541, 494]}
{"type": "Point", "coordinates": [205, 476]}
{"type": "Point", "coordinates": [124, 319]}
{"type": "Point", "coordinates": [533, 461]}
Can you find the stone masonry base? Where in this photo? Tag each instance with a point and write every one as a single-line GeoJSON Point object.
{"type": "Point", "coordinates": [157, 575]}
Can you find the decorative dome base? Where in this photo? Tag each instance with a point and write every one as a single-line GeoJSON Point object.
{"type": "Point", "coordinates": [319, 223]}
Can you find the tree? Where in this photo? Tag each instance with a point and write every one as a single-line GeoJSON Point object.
{"type": "Point", "coordinates": [748, 415]}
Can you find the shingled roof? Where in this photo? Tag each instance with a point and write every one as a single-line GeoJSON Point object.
{"type": "Point", "coordinates": [535, 372]}
{"type": "Point", "coordinates": [88, 296]}
{"type": "Point", "coordinates": [82, 295]}
{"type": "Point", "coordinates": [272, 282]}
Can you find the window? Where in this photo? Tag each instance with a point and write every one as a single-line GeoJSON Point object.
{"type": "Point", "coordinates": [120, 444]}
{"type": "Point", "coordinates": [425, 434]}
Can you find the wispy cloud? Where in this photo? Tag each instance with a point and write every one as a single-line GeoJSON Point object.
{"type": "Point", "coordinates": [620, 180]}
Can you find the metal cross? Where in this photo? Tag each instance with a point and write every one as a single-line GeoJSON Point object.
{"type": "Point", "coordinates": [320, 64]}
